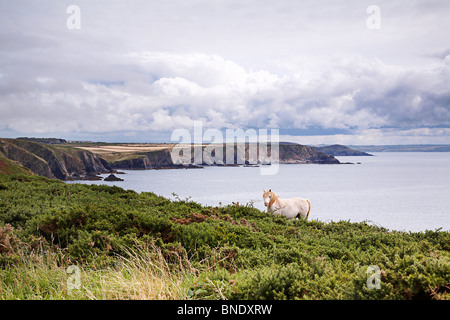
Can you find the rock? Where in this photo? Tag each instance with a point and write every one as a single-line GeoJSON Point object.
{"type": "Point", "coordinates": [112, 177]}
{"type": "Point", "coordinates": [92, 178]}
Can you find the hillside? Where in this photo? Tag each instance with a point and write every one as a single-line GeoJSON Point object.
{"type": "Point", "coordinates": [52, 161]}
{"type": "Point", "coordinates": [142, 246]}
{"type": "Point", "coordinates": [8, 167]}
{"type": "Point", "coordinates": [340, 150]}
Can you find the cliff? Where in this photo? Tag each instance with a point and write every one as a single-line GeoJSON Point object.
{"type": "Point", "coordinates": [161, 159]}
{"type": "Point", "coordinates": [8, 167]}
{"type": "Point", "coordinates": [51, 161]}
{"type": "Point", "coordinates": [75, 163]}
{"type": "Point", "coordinates": [297, 153]}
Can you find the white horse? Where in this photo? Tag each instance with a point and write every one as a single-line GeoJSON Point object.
{"type": "Point", "coordinates": [290, 208]}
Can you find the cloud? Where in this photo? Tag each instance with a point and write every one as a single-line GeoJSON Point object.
{"type": "Point", "coordinates": [308, 67]}
{"type": "Point", "coordinates": [383, 136]}
{"type": "Point", "coordinates": [204, 70]}
{"type": "Point", "coordinates": [352, 95]}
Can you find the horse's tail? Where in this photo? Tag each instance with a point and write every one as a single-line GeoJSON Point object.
{"type": "Point", "coordinates": [309, 209]}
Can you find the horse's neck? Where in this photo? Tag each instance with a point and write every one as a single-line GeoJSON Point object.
{"type": "Point", "coordinates": [274, 200]}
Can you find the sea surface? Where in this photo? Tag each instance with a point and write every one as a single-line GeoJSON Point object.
{"type": "Point", "coordinates": [396, 190]}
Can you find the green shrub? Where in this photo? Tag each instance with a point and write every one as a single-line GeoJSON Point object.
{"type": "Point", "coordinates": [237, 251]}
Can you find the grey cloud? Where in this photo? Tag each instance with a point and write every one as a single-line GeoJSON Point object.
{"type": "Point", "coordinates": [340, 99]}
{"type": "Point", "coordinates": [410, 98]}
{"type": "Point", "coordinates": [147, 65]}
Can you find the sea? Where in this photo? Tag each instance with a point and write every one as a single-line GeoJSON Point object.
{"type": "Point", "coordinates": [403, 191]}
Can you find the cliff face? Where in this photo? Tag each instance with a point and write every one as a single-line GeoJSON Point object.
{"type": "Point", "coordinates": [29, 160]}
{"type": "Point", "coordinates": [150, 160]}
{"type": "Point", "coordinates": [63, 163]}
{"type": "Point", "coordinates": [68, 163]}
{"type": "Point", "coordinates": [288, 153]}
{"type": "Point", "coordinates": [8, 166]}
{"type": "Point", "coordinates": [296, 153]}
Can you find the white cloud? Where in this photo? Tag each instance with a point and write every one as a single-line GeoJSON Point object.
{"type": "Point", "coordinates": [355, 95]}
{"type": "Point", "coordinates": [159, 66]}
{"type": "Point", "coordinates": [205, 70]}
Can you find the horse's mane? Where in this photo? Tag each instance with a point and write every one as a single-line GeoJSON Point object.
{"type": "Point", "coordinates": [273, 197]}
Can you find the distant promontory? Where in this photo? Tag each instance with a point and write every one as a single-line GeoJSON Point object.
{"type": "Point", "coordinates": [58, 158]}
{"type": "Point", "coordinates": [340, 150]}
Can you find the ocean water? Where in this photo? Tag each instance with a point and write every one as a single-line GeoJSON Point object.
{"type": "Point", "coordinates": [399, 191]}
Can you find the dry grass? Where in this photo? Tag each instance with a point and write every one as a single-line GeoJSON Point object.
{"type": "Point", "coordinates": [126, 148]}
{"type": "Point", "coordinates": [143, 275]}
{"type": "Point", "coordinates": [124, 151]}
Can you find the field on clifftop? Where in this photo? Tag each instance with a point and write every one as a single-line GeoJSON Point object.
{"type": "Point", "coordinates": [127, 245]}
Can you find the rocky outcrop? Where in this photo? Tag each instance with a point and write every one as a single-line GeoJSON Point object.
{"type": "Point", "coordinates": [112, 177]}
{"type": "Point", "coordinates": [296, 153]}
{"type": "Point", "coordinates": [64, 163]}
{"type": "Point", "coordinates": [92, 163]}
{"type": "Point", "coordinates": [159, 159]}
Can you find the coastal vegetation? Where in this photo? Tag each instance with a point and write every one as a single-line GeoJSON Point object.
{"type": "Point", "coordinates": [129, 245]}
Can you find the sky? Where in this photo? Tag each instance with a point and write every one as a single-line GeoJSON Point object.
{"type": "Point", "coordinates": [353, 72]}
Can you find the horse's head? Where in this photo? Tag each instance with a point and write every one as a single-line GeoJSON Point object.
{"type": "Point", "coordinates": [269, 197]}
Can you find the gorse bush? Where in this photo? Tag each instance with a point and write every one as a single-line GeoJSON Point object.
{"type": "Point", "coordinates": [236, 251]}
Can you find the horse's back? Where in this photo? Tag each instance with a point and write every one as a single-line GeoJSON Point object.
{"type": "Point", "coordinates": [301, 201]}
{"type": "Point", "coordinates": [303, 206]}
{"type": "Point", "coordinates": [293, 207]}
